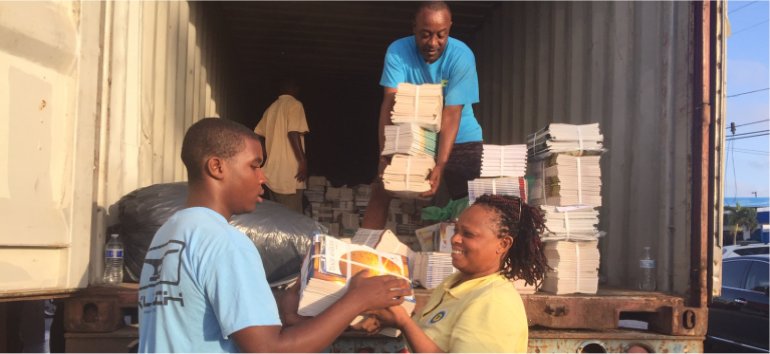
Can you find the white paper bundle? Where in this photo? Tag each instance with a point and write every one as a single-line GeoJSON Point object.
{"type": "Point", "coordinates": [407, 175]}
{"type": "Point", "coordinates": [563, 180]}
{"type": "Point", "coordinates": [512, 186]}
{"type": "Point", "coordinates": [570, 223]}
{"type": "Point", "coordinates": [331, 263]}
{"type": "Point", "coordinates": [559, 138]}
{"type": "Point", "coordinates": [431, 268]}
{"type": "Point", "coordinates": [575, 267]}
{"type": "Point", "coordinates": [420, 104]}
{"type": "Point", "coordinates": [409, 139]}
{"type": "Point", "coordinates": [504, 160]}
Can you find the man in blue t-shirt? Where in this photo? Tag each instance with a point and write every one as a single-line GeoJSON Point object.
{"type": "Point", "coordinates": [203, 287]}
{"type": "Point", "coordinates": [431, 56]}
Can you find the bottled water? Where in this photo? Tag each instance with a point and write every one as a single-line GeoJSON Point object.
{"type": "Point", "coordinates": [113, 261]}
{"type": "Point", "coordinates": [646, 271]}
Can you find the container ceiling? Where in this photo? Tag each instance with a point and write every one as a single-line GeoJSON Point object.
{"type": "Point", "coordinates": [343, 37]}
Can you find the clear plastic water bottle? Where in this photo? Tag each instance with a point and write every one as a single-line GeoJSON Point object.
{"type": "Point", "coordinates": [646, 271]}
{"type": "Point", "coordinates": [113, 261]}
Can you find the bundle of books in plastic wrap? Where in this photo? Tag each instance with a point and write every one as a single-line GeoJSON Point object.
{"type": "Point", "coordinates": [565, 181]}
{"type": "Point", "coordinates": [502, 172]}
{"type": "Point", "coordinates": [331, 263]}
{"type": "Point", "coordinates": [412, 139]}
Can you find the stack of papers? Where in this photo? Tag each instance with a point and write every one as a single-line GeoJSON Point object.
{"type": "Point", "coordinates": [382, 240]}
{"type": "Point", "coordinates": [563, 180]}
{"type": "Point", "coordinates": [331, 263]}
{"type": "Point", "coordinates": [560, 138]}
{"type": "Point", "coordinates": [316, 187]}
{"type": "Point", "coordinates": [512, 186]}
{"type": "Point", "coordinates": [504, 160]}
{"type": "Point", "coordinates": [575, 267]}
{"type": "Point", "coordinates": [575, 223]}
{"type": "Point", "coordinates": [436, 237]}
{"type": "Point", "coordinates": [420, 104]}
{"type": "Point", "coordinates": [431, 268]}
{"type": "Point", "coordinates": [409, 139]}
{"type": "Point", "coordinates": [407, 175]}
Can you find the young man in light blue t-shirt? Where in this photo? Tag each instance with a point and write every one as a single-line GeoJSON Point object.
{"type": "Point", "coordinates": [203, 287]}
{"type": "Point", "coordinates": [431, 56]}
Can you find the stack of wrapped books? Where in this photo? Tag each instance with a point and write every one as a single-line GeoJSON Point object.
{"type": "Point", "coordinates": [559, 137]}
{"type": "Point", "coordinates": [420, 104]}
{"type": "Point", "coordinates": [562, 180]}
{"type": "Point", "coordinates": [503, 160]}
{"type": "Point", "coordinates": [431, 268]}
{"type": "Point", "coordinates": [565, 181]}
{"type": "Point", "coordinates": [511, 186]}
{"type": "Point", "coordinates": [406, 175]}
{"type": "Point", "coordinates": [409, 139]}
{"type": "Point", "coordinates": [331, 263]}
{"type": "Point", "coordinates": [573, 223]}
{"type": "Point", "coordinates": [574, 267]}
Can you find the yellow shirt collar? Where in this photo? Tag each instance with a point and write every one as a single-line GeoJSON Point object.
{"type": "Point", "coordinates": [461, 290]}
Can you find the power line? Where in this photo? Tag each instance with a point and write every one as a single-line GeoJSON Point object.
{"type": "Point", "coordinates": [748, 92]}
{"type": "Point", "coordinates": [742, 7]}
{"type": "Point", "coordinates": [750, 123]}
{"type": "Point", "coordinates": [748, 28]}
{"type": "Point", "coordinates": [749, 133]}
{"type": "Point", "coordinates": [746, 137]}
{"type": "Point", "coordinates": [751, 153]}
{"type": "Point", "coordinates": [751, 150]}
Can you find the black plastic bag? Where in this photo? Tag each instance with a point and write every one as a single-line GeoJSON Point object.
{"type": "Point", "coordinates": [282, 236]}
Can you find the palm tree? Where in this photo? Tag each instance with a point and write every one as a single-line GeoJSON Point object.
{"type": "Point", "coordinates": [739, 216]}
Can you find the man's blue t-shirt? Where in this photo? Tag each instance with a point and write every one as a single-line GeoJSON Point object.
{"type": "Point", "coordinates": [202, 280]}
{"type": "Point", "coordinates": [455, 70]}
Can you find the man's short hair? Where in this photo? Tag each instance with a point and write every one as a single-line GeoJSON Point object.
{"type": "Point", "coordinates": [211, 137]}
{"type": "Point", "coordinates": [432, 6]}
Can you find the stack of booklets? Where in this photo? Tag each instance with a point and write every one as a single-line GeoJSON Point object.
{"type": "Point", "coordinates": [407, 175]}
{"type": "Point", "coordinates": [573, 223]}
{"type": "Point", "coordinates": [420, 104]}
{"type": "Point", "coordinates": [331, 263]}
{"type": "Point", "coordinates": [316, 187]}
{"type": "Point", "coordinates": [431, 268]}
{"type": "Point", "coordinates": [436, 237]}
{"type": "Point", "coordinates": [409, 139]}
{"type": "Point", "coordinates": [504, 160]}
{"type": "Point", "coordinates": [559, 137]}
{"type": "Point", "coordinates": [382, 240]}
{"type": "Point", "coordinates": [511, 186]}
{"type": "Point", "coordinates": [563, 180]}
{"type": "Point", "coordinates": [575, 267]}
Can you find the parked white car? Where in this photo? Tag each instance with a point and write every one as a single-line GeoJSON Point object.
{"type": "Point", "coordinates": [744, 250]}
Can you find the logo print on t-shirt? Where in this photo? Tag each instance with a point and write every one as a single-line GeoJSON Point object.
{"type": "Point", "coordinates": [166, 266]}
{"type": "Point", "coordinates": [438, 317]}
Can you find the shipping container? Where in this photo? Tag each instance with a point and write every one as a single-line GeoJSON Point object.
{"type": "Point", "coordinates": [99, 95]}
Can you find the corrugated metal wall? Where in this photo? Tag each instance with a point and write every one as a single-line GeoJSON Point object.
{"type": "Point", "coordinates": [627, 66]}
{"type": "Point", "coordinates": [163, 70]}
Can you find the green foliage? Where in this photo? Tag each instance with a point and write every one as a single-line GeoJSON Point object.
{"type": "Point", "coordinates": [741, 218]}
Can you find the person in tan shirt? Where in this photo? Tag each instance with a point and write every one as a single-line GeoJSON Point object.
{"type": "Point", "coordinates": [283, 127]}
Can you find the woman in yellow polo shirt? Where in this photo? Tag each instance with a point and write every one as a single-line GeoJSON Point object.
{"type": "Point", "coordinates": [478, 309]}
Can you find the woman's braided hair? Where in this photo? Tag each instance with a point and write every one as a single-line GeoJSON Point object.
{"type": "Point", "coordinates": [525, 259]}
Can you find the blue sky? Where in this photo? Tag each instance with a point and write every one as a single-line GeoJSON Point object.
{"type": "Point", "coordinates": [747, 167]}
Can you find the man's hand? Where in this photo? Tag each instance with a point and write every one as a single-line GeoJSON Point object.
{"type": "Point", "coordinates": [435, 179]}
{"type": "Point", "coordinates": [301, 175]}
{"type": "Point", "coordinates": [372, 293]}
